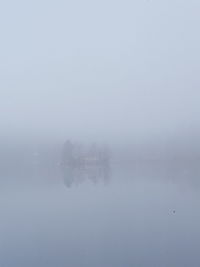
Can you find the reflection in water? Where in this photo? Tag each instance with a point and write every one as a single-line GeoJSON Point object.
{"type": "Point", "coordinates": [143, 219]}
{"type": "Point", "coordinates": [94, 173]}
{"type": "Point", "coordinates": [79, 164]}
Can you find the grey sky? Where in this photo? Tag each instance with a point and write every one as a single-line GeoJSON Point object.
{"type": "Point", "coordinates": [111, 69]}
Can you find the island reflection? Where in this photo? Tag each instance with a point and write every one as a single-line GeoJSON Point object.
{"type": "Point", "coordinates": [80, 164]}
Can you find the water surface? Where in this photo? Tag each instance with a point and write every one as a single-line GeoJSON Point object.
{"type": "Point", "coordinates": [138, 216]}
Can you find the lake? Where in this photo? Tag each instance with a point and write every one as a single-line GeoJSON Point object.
{"type": "Point", "coordinates": [143, 215]}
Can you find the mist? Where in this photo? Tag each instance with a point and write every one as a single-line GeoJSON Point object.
{"type": "Point", "coordinates": [108, 70]}
{"type": "Point", "coordinates": [99, 140]}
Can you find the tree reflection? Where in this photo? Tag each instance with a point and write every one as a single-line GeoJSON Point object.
{"type": "Point", "coordinates": [76, 175]}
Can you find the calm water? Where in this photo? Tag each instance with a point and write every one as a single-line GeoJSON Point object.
{"type": "Point", "coordinates": [139, 216]}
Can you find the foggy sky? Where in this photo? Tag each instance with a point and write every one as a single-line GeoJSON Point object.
{"type": "Point", "coordinates": [100, 69]}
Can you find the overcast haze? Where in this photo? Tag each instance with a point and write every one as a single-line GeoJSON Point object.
{"type": "Point", "coordinates": [99, 133]}
{"type": "Point", "coordinates": [123, 69]}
